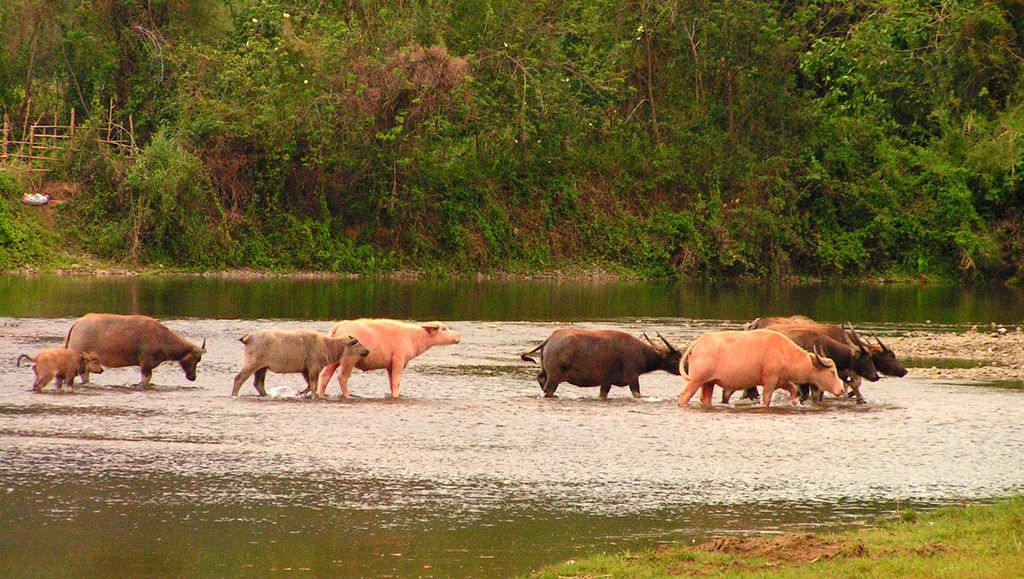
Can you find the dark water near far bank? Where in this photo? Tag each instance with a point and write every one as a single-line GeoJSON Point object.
{"type": "Point", "coordinates": [321, 299]}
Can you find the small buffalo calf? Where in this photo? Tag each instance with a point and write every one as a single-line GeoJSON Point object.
{"type": "Point", "coordinates": [62, 364]}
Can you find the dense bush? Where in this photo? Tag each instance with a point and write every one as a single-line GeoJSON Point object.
{"type": "Point", "coordinates": [21, 236]}
{"type": "Point", "coordinates": [719, 139]}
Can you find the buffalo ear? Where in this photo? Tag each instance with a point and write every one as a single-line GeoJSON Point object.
{"type": "Point", "coordinates": [432, 328]}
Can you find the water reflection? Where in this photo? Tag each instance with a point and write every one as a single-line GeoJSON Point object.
{"type": "Point", "coordinates": [320, 299]}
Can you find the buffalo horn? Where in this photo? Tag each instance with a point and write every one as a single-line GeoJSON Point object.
{"type": "Point", "coordinates": [849, 342]}
{"type": "Point", "coordinates": [884, 347]}
{"type": "Point", "coordinates": [649, 339]}
{"type": "Point", "coordinates": [671, 348]}
{"type": "Point", "coordinates": [817, 359]}
{"type": "Point", "coordinates": [203, 347]}
{"type": "Point", "coordinates": [857, 338]}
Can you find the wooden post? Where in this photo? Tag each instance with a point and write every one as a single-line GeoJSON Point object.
{"type": "Point", "coordinates": [3, 151]}
{"type": "Point", "coordinates": [110, 118]}
{"type": "Point", "coordinates": [72, 122]}
{"type": "Point", "coordinates": [24, 124]}
{"type": "Point", "coordinates": [131, 130]}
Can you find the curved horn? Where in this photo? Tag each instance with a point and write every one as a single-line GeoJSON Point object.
{"type": "Point", "coordinates": [884, 347]}
{"type": "Point", "coordinates": [649, 339]}
{"type": "Point", "coordinates": [818, 358]}
{"type": "Point", "coordinates": [203, 347]}
{"type": "Point", "coordinates": [856, 337]}
{"type": "Point", "coordinates": [671, 348]}
{"type": "Point", "coordinates": [847, 339]}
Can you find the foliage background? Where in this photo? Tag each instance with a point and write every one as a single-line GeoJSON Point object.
{"type": "Point", "coordinates": [673, 138]}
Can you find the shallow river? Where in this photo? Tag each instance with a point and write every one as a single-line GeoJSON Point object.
{"type": "Point", "coordinates": [470, 473]}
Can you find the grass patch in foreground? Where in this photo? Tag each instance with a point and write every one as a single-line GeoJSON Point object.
{"type": "Point", "coordinates": [972, 541]}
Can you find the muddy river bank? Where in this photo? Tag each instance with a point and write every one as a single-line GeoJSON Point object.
{"type": "Point", "coordinates": [471, 473]}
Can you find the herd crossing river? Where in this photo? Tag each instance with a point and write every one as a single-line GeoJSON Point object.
{"type": "Point", "coordinates": [471, 472]}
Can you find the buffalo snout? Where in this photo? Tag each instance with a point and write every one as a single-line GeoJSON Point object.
{"type": "Point", "coordinates": [364, 353]}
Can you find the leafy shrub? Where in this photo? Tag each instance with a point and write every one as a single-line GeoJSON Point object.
{"type": "Point", "coordinates": [21, 236]}
{"type": "Point", "coordinates": [173, 215]}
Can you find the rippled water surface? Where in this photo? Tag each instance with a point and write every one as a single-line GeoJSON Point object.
{"type": "Point", "coordinates": [469, 474]}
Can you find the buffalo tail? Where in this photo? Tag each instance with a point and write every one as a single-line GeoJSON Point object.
{"type": "Point", "coordinates": [682, 362]}
{"type": "Point", "coordinates": [525, 356]}
{"type": "Point", "coordinates": [67, 340]}
{"type": "Point", "coordinates": [26, 356]}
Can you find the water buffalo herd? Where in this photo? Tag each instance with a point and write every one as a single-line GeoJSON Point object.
{"type": "Point", "coordinates": [804, 357]}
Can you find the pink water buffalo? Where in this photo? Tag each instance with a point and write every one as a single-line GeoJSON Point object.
{"type": "Point", "coordinates": [392, 344]}
{"type": "Point", "coordinates": [741, 360]}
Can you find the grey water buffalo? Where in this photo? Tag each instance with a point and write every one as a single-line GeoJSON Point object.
{"type": "Point", "coordinates": [62, 364]}
{"type": "Point", "coordinates": [392, 344]}
{"type": "Point", "coordinates": [603, 358]}
{"type": "Point", "coordinates": [303, 352]}
{"type": "Point", "coordinates": [736, 360]}
{"type": "Point", "coordinates": [120, 341]}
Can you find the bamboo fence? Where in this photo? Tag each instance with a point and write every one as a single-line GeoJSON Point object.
{"type": "Point", "coordinates": [40, 143]}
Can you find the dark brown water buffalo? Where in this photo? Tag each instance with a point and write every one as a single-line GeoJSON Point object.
{"type": "Point", "coordinates": [882, 356]}
{"type": "Point", "coordinates": [119, 341]}
{"type": "Point", "coordinates": [602, 358]}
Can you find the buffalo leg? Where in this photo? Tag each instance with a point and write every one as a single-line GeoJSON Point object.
{"type": "Point", "coordinates": [312, 378]}
{"type": "Point", "coordinates": [634, 388]}
{"type": "Point", "coordinates": [542, 378]}
{"type": "Point", "coordinates": [769, 389]}
{"type": "Point", "coordinates": [706, 392]}
{"type": "Point", "coordinates": [395, 379]}
{"type": "Point", "coordinates": [605, 389]}
{"type": "Point", "coordinates": [688, 391]}
{"type": "Point", "coordinates": [817, 394]}
{"type": "Point", "coordinates": [41, 382]}
{"type": "Point", "coordinates": [259, 378]}
{"type": "Point", "coordinates": [726, 395]}
{"type": "Point", "coordinates": [805, 392]}
{"type": "Point", "coordinates": [794, 393]}
{"type": "Point", "coordinates": [751, 393]}
{"type": "Point", "coordinates": [147, 375]}
{"type": "Point", "coordinates": [550, 385]}
{"type": "Point", "coordinates": [240, 379]}
{"type": "Point", "coordinates": [344, 375]}
{"type": "Point", "coordinates": [855, 392]}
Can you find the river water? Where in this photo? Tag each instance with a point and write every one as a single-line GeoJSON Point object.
{"type": "Point", "coordinates": [470, 473]}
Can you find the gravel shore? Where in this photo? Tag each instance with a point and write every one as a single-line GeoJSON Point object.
{"type": "Point", "coordinates": [990, 355]}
